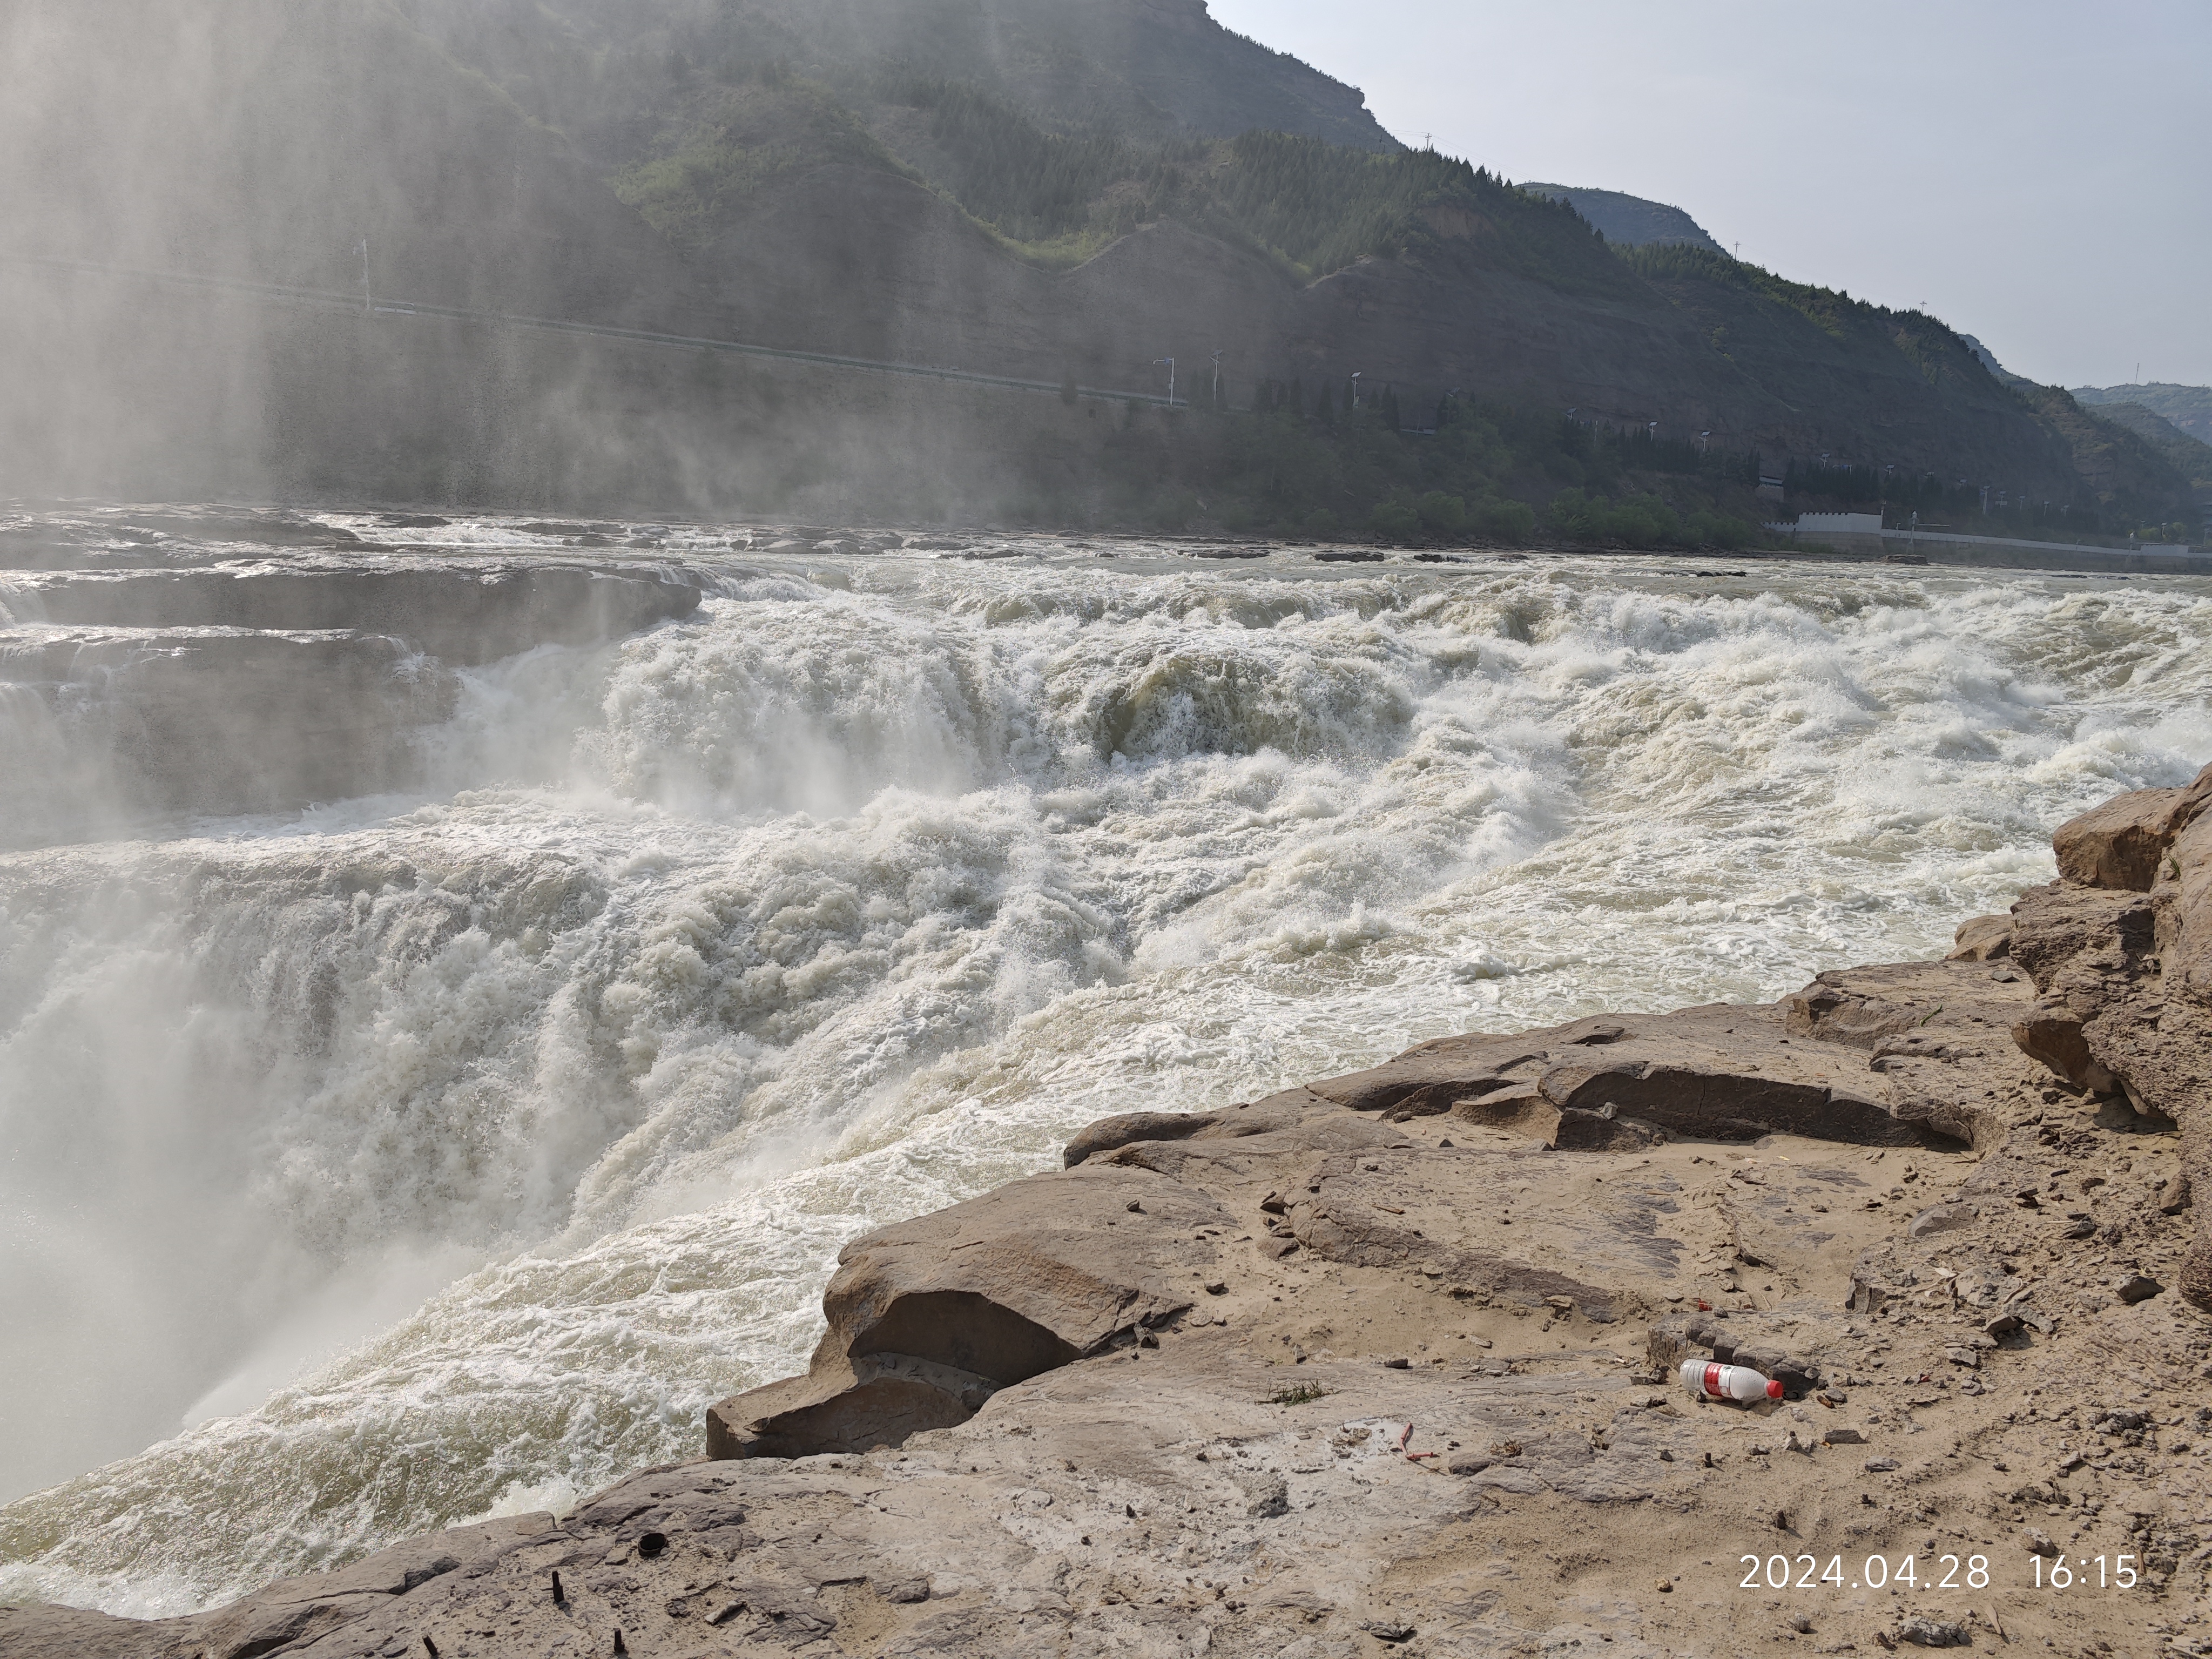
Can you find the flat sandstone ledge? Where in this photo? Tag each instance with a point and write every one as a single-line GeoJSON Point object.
{"type": "Point", "coordinates": [1381, 1363]}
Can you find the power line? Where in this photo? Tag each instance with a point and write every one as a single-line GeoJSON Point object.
{"type": "Point", "coordinates": [324, 299]}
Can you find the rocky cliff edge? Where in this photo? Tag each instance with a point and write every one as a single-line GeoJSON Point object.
{"type": "Point", "coordinates": [1385, 1363]}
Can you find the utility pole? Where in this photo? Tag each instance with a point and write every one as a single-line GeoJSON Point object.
{"type": "Point", "coordinates": [1170, 362]}
{"type": "Point", "coordinates": [367, 301]}
{"type": "Point", "coordinates": [1217, 382]}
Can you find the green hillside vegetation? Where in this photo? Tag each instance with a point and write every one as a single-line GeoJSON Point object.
{"type": "Point", "coordinates": [1314, 206]}
{"type": "Point", "coordinates": [1832, 310]}
{"type": "Point", "coordinates": [1057, 199]}
{"type": "Point", "coordinates": [589, 67]}
{"type": "Point", "coordinates": [2188, 408]}
{"type": "Point", "coordinates": [2120, 469]}
{"type": "Point", "coordinates": [1809, 343]}
{"type": "Point", "coordinates": [708, 173]}
{"type": "Point", "coordinates": [1309, 464]}
{"type": "Point", "coordinates": [694, 108]}
{"type": "Point", "coordinates": [1322, 207]}
{"type": "Point", "coordinates": [2191, 458]}
{"type": "Point", "coordinates": [1305, 464]}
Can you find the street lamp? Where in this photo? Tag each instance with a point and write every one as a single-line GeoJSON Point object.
{"type": "Point", "coordinates": [1216, 381]}
{"type": "Point", "coordinates": [1170, 362]}
{"type": "Point", "coordinates": [1356, 373]}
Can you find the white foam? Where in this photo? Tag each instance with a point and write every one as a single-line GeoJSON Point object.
{"type": "Point", "coordinates": [711, 950]}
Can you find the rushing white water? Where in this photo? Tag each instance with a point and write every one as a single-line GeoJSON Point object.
{"type": "Point", "coordinates": [411, 1160]}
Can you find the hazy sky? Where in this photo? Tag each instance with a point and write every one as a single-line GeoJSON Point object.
{"type": "Point", "coordinates": [2038, 172]}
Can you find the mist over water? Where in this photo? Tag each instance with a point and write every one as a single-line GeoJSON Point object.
{"type": "Point", "coordinates": [436, 1154]}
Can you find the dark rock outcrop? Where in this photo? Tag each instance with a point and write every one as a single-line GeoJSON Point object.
{"type": "Point", "coordinates": [857, 1404]}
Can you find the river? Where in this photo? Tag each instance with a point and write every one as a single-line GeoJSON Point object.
{"type": "Point", "coordinates": [445, 1152]}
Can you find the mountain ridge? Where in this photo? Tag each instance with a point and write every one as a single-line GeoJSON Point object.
{"type": "Point", "coordinates": [2188, 409]}
{"type": "Point", "coordinates": [1630, 221]}
{"type": "Point", "coordinates": [806, 176]}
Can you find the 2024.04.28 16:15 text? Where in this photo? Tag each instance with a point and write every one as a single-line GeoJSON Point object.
{"type": "Point", "coordinates": [1970, 1572]}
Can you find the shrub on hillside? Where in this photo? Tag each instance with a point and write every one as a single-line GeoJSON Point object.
{"type": "Point", "coordinates": [1641, 522]}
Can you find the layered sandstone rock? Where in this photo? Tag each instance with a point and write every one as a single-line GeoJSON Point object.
{"type": "Point", "coordinates": [2122, 844]}
{"type": "Point", "coordinates": [2120, 947]}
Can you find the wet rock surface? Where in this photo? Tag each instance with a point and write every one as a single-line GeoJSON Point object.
{"type": "Point", "coordinates": [1384, 1362]}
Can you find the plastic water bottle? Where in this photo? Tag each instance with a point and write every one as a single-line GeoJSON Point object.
{"type": "Point", "coordinates": [1709, 1380]}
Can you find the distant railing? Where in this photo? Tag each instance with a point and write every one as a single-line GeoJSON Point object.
{"type": "Point", "coordinates": [1862, 529]}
